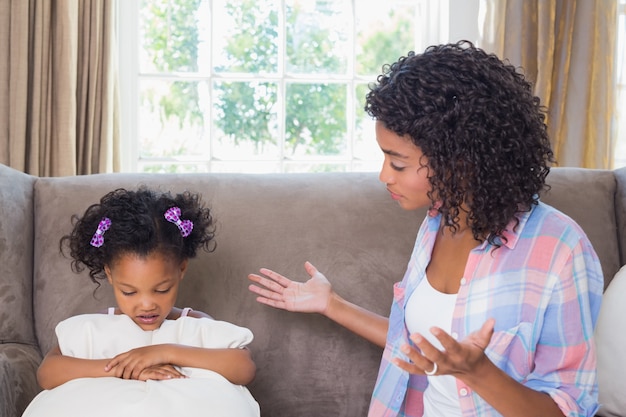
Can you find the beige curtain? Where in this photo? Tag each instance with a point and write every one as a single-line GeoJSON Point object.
{"type": "Point", "coordinates": [58, 87]}
{"type": "Point", "coordinates": [567, 49]}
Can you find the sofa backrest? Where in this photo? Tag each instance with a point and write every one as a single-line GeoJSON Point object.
{"type": "Point", "coordinates": [339, 222]}
{"type": "Point", "coordinates": [620, 211]}
{"type": "Point", "coordinates": [16, 256]}
{"type": "Point", "coordinates": [345, 224]}
{"type": "Point", "coordinates": [589, 197]}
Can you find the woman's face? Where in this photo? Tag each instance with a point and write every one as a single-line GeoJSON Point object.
{"type": "Point", "coordinates": [404, 170]}
{"type": "Point", "coordinates": [146, 288]}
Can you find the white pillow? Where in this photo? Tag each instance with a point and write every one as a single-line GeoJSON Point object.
{"type": "Point", "coordinates": [610, 336]}
{"type": "Point", "coordinates": [98, 336]}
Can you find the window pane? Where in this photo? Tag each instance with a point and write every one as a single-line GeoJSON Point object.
{"type": "Point", "coordinates": [259, 85]}
{"type": "Point", "coordinates": [315, 119]}
{"type": "Point", "coordinates": [366, 148]}
{"type": "Point", "coordinates": [176, 167]}
{"type": "Point", "coordinates": [245, 120]}
{"type": "Point", "coordinates": [318, 36]}
{"type": "Point", "coordinates": [172, 118]}
{"type": "Point", "coordinates": [316, 167]}
{"type": "Point", "coordinates": [253, 167]}
{"type": "Point", "coordinates": [384, 33]}
{"type": "Point", "coordinates": [170, 33]}
{"type": "Point", "coordinates": [246, 36]}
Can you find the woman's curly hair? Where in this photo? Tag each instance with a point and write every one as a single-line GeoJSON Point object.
{"type": "Point", "coordinates": [479, 126]}
{"type": "Point", "coordinates": [138, 226]}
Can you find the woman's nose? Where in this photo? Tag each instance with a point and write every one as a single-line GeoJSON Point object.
{"type": "Point", "coordinates": [386, 174]}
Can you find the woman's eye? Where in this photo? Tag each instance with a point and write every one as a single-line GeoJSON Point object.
{"type": "Point", "coordinates": [396, 167]}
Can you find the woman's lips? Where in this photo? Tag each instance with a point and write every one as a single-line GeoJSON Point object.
{"type": "Point", "coordinates": [394, 195]}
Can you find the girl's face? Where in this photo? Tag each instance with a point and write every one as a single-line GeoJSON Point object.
{"type": "Point", "coordinates": [404, 170]}
{"type": "Point", "coordinates": [146, 288]}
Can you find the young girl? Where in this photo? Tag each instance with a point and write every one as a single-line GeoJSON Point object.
{"type": "Point", "coordinates": [145, 357]}
{"type": "Point", "coordinates": [496, 312]}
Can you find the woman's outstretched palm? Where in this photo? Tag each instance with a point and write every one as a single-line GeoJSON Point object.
{"type": "Point", "coordinates": [281, 292]}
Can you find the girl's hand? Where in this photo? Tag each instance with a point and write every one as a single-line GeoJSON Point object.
{"type": "Point", "coordinates": [131, 364]}
{"type": "Point", "coordinates": [278, 291]}
{"type": "Point", "coordinates": [160, 373]}
{"type": "Point", "coordinates": [457, 358]}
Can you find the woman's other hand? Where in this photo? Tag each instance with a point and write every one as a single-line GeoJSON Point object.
{"type": "Point", "coordinates": [461, 359]}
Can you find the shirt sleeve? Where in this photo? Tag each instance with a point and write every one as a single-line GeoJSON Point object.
{"type": "Point", "coordinates": [565, 357]}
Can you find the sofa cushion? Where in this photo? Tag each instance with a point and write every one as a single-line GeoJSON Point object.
{"type": "Point", "coordinates": [611, 344]}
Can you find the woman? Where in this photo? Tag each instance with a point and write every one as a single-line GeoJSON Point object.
{"type": "Point", "coordinates": [496, 311]}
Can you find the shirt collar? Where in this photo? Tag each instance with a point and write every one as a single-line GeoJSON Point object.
{"type": "Point", "coordinates": [511, 234]}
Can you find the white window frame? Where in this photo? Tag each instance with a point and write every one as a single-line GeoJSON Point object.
{"type": "Point", "coordinates": [437, 30]}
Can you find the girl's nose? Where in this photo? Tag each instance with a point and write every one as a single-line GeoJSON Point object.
{"type": "Point", "coordinates": [147, 303]}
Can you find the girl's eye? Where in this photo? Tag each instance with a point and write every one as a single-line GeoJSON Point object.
{"type": "Point", "coordinates": [128, 293]}
{"type": "Point", "coordinates": [165, 291]}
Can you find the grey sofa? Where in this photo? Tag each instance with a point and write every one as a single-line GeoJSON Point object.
{"type": "Point", "coordinates": [344, 223]}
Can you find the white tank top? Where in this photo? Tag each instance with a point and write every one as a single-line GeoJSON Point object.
{"type": "Point", "coordinates": [184, 313]}
{"type": "Point", "coordinates": [426, 308]}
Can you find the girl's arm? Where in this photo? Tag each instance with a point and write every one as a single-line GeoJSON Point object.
{"type": "Point", "coordinates": [316, 296]}
{"type": "Point", "coordinates": [236, 365]}
{"type": "Point", "coordinates": [56, 369]}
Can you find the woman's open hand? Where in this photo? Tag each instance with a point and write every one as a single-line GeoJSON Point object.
{"type": "Point", "coordinates": [456, 358]}
{"type": "Point", "coordinates": [278, 291]}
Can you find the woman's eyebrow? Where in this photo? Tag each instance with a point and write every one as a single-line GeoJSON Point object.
{"type": "Point", "coordinates": [394, 153]}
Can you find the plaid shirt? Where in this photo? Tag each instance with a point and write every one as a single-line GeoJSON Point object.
{"type": "Point", "coordinates": [543, 286]}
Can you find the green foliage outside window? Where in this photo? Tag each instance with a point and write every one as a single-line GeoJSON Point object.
{"type": "Point", "coordinates": [315, 113]}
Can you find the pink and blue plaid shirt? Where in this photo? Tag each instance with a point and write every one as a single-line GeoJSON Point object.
{"type": "Point", "coordinates": [543, 286]}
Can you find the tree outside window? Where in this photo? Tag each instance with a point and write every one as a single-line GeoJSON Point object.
{"type": "Point", "coordinates": [263, 85]}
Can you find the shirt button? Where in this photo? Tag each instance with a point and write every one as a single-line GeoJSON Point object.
{"type": "Point", "coordinates": [463, 281]}
{"type": "Point", "coordinates": [463, 392]}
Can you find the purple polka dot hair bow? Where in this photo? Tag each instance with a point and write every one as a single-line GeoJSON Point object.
{"type": "Point", "coordinates": [172, 215]}
{"type": "Point", "coordinates": [98, 238]}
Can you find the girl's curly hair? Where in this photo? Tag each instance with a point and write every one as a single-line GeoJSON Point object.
{"type": "Point", "coordinates": [479, 126]}
{"type": "Point", "coordinates": [138, 226]}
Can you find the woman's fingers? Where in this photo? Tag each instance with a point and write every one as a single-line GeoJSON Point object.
{"type": "Point", "coordinates": [417, 364]}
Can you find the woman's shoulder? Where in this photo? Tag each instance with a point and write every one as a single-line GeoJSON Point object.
{"type": "Point", "coordinates": [548, 219]}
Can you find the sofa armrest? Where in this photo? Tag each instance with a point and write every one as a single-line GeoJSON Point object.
{"type": "Point", "coordinates": [18, 377]}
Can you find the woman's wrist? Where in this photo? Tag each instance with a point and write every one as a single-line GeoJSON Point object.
{"type": "Point", "coordinates": [334, 300]}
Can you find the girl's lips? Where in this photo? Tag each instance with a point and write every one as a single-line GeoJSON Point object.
{"type": "Point", "coordinates": [148, 319]}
